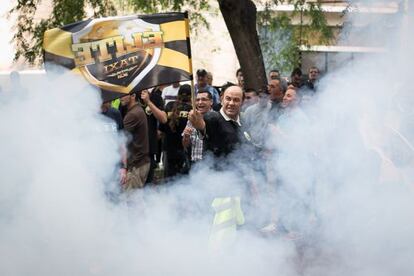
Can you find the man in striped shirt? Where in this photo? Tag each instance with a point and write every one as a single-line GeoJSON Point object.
{"type": "Point", "coordinates": [204, 102]}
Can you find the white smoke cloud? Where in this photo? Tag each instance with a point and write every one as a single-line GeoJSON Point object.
{"type": "Point", "coordinates": [356, 154]}
{"type": "Point", "coordinates": [57, 162]}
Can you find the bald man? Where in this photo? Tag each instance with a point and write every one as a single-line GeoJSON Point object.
{"type": "Point", "coordinates": [221, 130]}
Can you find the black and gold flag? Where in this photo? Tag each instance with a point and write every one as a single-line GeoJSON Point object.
{"type": "Point", "coordinates": [124, 54]}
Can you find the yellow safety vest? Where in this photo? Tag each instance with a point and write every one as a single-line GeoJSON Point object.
{"type": "Point", "coordinates": [228, 216]}
{"type": "Point", "coordinates": [115, 103]}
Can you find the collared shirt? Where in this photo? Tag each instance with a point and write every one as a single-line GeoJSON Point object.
{"type": "Point", "coordinates": [227, 118]}
{"type": "Point", "coordinates": [196, 144]}
{"type": "Point", "coordinates": [255, 121]}
{"type": "Point", "coordinates": [222, 134]}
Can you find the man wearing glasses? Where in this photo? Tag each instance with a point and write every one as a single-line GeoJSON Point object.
{"type": "Point", "coordinates": [191, 138]}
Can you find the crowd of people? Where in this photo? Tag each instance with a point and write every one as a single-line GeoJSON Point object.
{"type": "Point", "coordinates": [164, 129]}
{"type": "Point", "coordinates": [165, 132]}
{"type": "Point", "coordinates": [173, 129]}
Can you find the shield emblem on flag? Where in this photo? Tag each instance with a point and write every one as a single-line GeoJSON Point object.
{"type": "Point", "coordinates": [124, 54]}
{"type": "Point", "coordinates": [117, 53]}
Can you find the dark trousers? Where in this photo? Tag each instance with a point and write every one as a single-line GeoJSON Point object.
{"type": "Point", "coordinates": [175, 164]}
{"type": "Point", "coordinates": [153, 165]}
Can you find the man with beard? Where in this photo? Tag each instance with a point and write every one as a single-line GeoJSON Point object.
{"type": "Point", "coordinates": [136, 125]}
{"type": "Point", "coordinates": [204, 102]}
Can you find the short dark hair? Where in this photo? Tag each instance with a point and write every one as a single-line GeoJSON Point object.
{"type": "Point", "coordinates": [184, 93]}
{"type": "Point", "coordinates": [201, 73]}
{"type": "Point", "coordinates": [203, 90]}
{"type": "Point", "coordinates": [225, 86]}
{"type": "Point", "coordinates": [275, 71]}
{"type": "Point", "coordinates": [137, 94]}
{"type": "Point", "coordinates": [238, 71]}
{"type": "Point", "coordinates": [250, 90]}
{"type": "Point", "coordinates": [296, 71]}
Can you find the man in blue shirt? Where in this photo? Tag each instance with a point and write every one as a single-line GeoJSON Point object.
{"type": "Point", "coordinates": [202, 83]}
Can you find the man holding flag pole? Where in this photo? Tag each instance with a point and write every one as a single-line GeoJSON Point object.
{"type": "Point", "coordinates": [124, 55]}
{"type": "Point", "coordinates": [121, 55]}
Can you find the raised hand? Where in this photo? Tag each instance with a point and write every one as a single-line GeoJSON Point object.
{"type": "Point", "coordinates": [145, 96]}
{"type": "Point", "coordinates": [196, 119]}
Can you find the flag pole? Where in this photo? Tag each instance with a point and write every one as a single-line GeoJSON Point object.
{"type": "Point", "coordinates": [193, 94]}
{"type": "Point", "coordinates": [187, 25]}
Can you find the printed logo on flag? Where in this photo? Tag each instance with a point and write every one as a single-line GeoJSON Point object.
{"type": "Point", "coordinates": [124, 54]}
{"type": "Point", "coordinates": [117, 52]}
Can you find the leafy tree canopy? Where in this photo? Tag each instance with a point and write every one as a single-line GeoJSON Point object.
{"type": "Point", "coordinates": [29, 30]}
{"type": "Point", "coordinates": [28, 38]}
{"type": "Point", "coordinates": [279, 39]}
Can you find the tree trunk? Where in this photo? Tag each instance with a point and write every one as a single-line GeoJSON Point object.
{"type": "Point", "coordinates": [240, 18]}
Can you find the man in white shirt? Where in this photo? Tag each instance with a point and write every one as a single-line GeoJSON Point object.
{"type": "Point", "coordinates": [170, 93]}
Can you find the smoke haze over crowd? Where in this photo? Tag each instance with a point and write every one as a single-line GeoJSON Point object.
{"type": "Point", "coordinates": [351, 161]}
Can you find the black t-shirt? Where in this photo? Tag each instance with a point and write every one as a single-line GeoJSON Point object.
{"type": "Point", "coordinates": [157, 100]}
{"type": "Point", "coordinates": [172, 140]}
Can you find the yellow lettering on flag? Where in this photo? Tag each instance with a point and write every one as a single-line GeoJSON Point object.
{"type": "Point", "coordinates": [58, 42]}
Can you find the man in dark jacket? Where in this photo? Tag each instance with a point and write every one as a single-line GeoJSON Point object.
{"type": "Point", "coordinates": [221, 130]}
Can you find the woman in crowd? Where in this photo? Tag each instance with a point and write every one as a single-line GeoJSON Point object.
{"type": "Point", "coordinates": [175, 159]}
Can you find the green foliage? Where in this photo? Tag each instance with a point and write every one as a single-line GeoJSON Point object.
{"type": "Point", "coordinates": [28, 38]}
{"type": "Point", "coordinates": [154, 6]}
{"type": "Point", "coordinates": [281, 41]}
